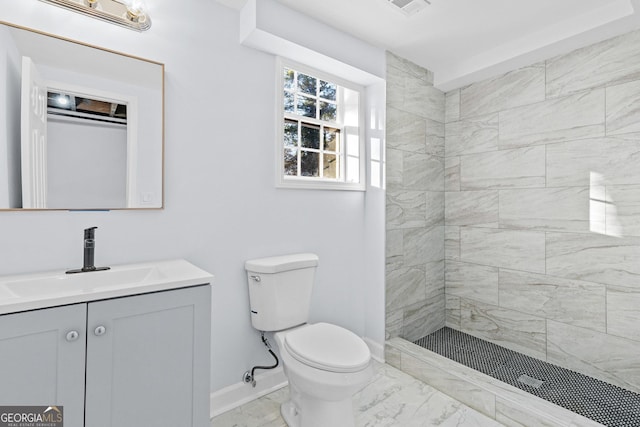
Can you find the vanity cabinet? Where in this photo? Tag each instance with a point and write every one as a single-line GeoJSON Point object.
{"type": "Point", "coordinates": [145, 359]}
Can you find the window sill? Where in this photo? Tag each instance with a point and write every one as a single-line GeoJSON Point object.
{"type": "Point", "coordinates": [304, 184]}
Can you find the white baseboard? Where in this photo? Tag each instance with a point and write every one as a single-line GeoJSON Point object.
{"type": "Point", "coordinates": [376, 349]}
{"type": "Point", "coordinates": [240, 393]}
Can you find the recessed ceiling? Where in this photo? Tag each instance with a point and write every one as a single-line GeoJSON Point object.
{"type": "Point", "coordinates": [467, 40]}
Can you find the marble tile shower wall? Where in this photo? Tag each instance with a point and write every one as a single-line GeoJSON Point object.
{"type": "Point", "coordinates": [542, 210]}
{"type": "Point", "coordinates": [415, 302]}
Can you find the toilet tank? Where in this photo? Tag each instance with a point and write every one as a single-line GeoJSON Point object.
{"type": "Point", "coordinates": [280, 290]}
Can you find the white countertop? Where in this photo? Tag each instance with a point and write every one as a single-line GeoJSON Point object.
{"type": "Point", "coordinates": [40, 290]}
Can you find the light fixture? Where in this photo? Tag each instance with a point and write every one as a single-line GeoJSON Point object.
{"type": "Point", "coordinates": [126, 13]}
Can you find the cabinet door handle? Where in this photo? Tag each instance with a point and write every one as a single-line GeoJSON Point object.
{"type": "Point", "coordinates": [72, 335]}
{"type": "Point", "coordinates": [100, 330]}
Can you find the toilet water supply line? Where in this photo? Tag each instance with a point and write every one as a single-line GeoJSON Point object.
{"type": "Point", "coordinates": [249, 376]}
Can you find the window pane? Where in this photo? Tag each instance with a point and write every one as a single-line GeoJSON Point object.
{"type": "Point", "coordinates": [310, 136]}
{"type": "Point", "coordinates": [328, 90]}
{"type": "Point", "coordinates": [310, 162]}
{"type": "Point", "coordinates": [331, 139]}
{"type": "Point", "coordinates": [288, 78]}
{"type": "Point", "coordinates": [288, 102]}
{"type": "Point", "coordinates": [328, 111]}
{"type": "Point", "coordinates": [290, 162]}
{"type": "Point", "coordinates": [306, 106]}
{"type": "Point", "coordinates": [290, 133]}
{"type": "Point", "coordinates": [330, 166]}
{"type": "Point", "coordinates": [307, 84]}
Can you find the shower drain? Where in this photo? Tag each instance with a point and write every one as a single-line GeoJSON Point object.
{"type": "Point", "coordinates": [530, 381]}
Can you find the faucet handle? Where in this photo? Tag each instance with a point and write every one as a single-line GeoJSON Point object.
{"type": "Point", "coordinates": [89, 233]}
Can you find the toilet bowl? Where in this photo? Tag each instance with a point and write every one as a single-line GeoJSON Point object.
{"type": "Point", "coordinates": [325, 365]}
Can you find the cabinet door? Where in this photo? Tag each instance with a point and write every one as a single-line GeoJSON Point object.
{"type": "Point", "coordinates": [42, 359]}
{"type": "Point", "coordinates": [148, 360]}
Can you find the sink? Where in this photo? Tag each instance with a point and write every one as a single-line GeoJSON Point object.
{"type": "Point", "coordinates": [39, 290]}
{"type": "Point", "coordinates": [82, 282]}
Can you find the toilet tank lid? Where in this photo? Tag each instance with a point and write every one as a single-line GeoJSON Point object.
{"type": "Point", "coordinates": [277, 264]}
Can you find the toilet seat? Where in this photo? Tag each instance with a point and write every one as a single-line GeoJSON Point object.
{"type": "Point", "coordinates": [328, 347]}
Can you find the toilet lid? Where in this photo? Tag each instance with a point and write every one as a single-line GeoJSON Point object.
{"type": "Point", "coordinates": [328, 347]}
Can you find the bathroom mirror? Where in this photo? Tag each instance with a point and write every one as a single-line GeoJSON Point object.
{"type": "Point", "coordinates": [81, 127]}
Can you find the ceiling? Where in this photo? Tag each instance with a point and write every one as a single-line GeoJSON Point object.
{"type": "Point", "coordinates": [468, 40]}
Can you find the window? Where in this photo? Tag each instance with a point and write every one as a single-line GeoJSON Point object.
{"type": "Point", "coordinates": [319, 142]}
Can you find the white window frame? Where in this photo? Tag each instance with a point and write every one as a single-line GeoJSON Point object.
{"type": "Point", "coordinates": [354, 133]}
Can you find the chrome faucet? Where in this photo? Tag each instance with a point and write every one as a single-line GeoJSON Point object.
{"type": "Point", "coordinates": [89, 253]}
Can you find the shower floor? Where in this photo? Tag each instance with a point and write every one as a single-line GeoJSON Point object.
{"type": "Point", "coordinates": [602, 402]}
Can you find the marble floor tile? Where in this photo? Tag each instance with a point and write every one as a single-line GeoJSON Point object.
{"type": "Point", "coordinates": [391, 399]}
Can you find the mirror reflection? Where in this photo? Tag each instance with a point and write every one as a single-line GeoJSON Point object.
{"type": "Point", "coordinates": [80, 127]}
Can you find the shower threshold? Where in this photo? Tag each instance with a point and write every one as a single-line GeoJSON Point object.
{"type": "Point", "coordinates": [594, 399]}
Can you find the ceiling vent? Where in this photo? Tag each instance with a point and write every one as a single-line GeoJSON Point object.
{"type": "Point", "coordinates": [409, 7]}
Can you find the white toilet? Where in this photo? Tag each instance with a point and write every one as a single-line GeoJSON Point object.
{"type": "Point", "coordinates": [325, 364]}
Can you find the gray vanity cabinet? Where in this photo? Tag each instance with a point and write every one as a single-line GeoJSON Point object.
{"type": "Point", "coordinates": [146, 359]}
{"type": "Point", "coordinates": [42, 358]}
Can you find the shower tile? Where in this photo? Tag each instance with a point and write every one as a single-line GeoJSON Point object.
{"type": "Point", "coordinates": [479, 208]}
{"type": "Point", "coordinates": [521, 250]}
{"type": "Point", "coordinates": [623, 210]}
{"type": "Point", "coordinates": [464, 391]}
{"type": "Point", "coordinates": [406, 209]}
{"type": "Point", "coordinates": [569, 301]}
{"type": "Point", "coordinates": [435, 278]}
{"type": "Point", "coordinates": [422, 172]}
{"type": "Point", "coordinates": [452, 106]}
{"type": "Point", "coordinates": [418, 170]}
{"type": "Point", "coordinates": [508, 328]}
{"type": "Point", "coordinates": [406, 131]}
{"type": "Point", "coordinates": [623, 312]}
{"type": "Point", "coordinates": [612, 61]}
{"type": "Point", "coordinates": [452, 310]}
{"type": "Point", "coordinates": [424, 317]}
{"type": "Point", "coordinates": [404, 286]}
{"type": "Point", "coordinates": [435, 173]}
{"type": "Point", "coordinates": [596, 161]}
{"type": "Point", "coordinates": [594, 258]}
{"type": "Point", "coordinates": [608, 358]}
{"type": "Point", "coordinates": [623, 108]}
{"type": "Point", "coordinates": [393, 323]}
{"type": "Point", "coordinates": [452, 174]}
{"type": "Point", "coordinates": [435, 137]}
{"type": "Point", "coordinates": [422, 245]}
{"type": "Point", "coordinates": [472, 281]}
{"type": "Point", "coordinates": [435, 208]}
{"type": "Point", "coordinates": [472, 135]}
{"type": "Point", "coordinates": [572, 117]}
{"type": "Point", "coordinates": [393, 249]}
{"type": "Point", "coordinates": [519, 87]}
{"type": "Point", "coordinates": [451, 242]}
{"type": "Point", "coordinates": [395, 88]}
{"type": "Point", "coordinates": [392, 356]}
{"type": "Point", "coordinates": [394, 168]}
{"type": "Point", "coordinates": [424, 100]}
{"type": "Point", "coordinates": [408, 68]}
{"type": "Point", "coordinates": [519, 168]}
{"type": "Point", "coordinates": [547, 209]}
